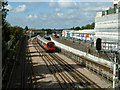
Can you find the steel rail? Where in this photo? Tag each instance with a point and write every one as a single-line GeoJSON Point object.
{"type": "Point", "coordinates": [56, 70]}
{"type": "Point", "coordinates": [77, 77]}
{"type": "Point", "coordinates": [62, 73]}
{"type": "Point", "coordinates": [82, 79]}
{"type": "Point", "coordinates": [72, 68]}
{"type": "Point", "coordinates": [73, 85]}
{"type": "Point", "coordinates": [32, 73]}
{"type": "Point", "coordinates": [79, 80]}
{"type": "Point", "coordinates": [52, 71]}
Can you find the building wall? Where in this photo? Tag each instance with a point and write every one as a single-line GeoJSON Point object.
{"type": "Point", "coordinates": [82, 34]}
{"type": "Point", "coordinates": [116, 2]}
{"type": "Point", "coordinates": [119, 3]}
{"type": "Point", "coordinates": [107, 28]}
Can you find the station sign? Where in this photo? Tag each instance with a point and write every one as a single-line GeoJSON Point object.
{"type": "Point", "coordinates": [82, 35]}
{"type": "Point", "coordinates": [72, 34]}
{"type": "Point", "coordinates": [68, 34]}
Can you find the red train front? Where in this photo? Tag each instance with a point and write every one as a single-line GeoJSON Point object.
{"type": "Point", "coordinates": [50, 46]}
{"type": "Point", "coordinates": [46, 44]}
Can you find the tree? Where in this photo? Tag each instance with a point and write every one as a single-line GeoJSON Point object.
{"type": "Point", "coordinates": [5, 24]}
{"type": "Point", "coordinates": [49, 31]}
{"type": "Point", "coordinates": [72, 28]}
{"type": "Point", "coordinates": [4, 14]}
{"type": "Point", "coordinates": [82, 27]}
{"type": "Point", "coordinates": [88, 26]}
{"type": "Point", "coordinates": [42, 29]}
{"type": "Point", "coordinates": [93, 25]}
{"type": "Point", "coordinates": [26, 28]}
{"type": "Point", "coordinates": [77, 28]}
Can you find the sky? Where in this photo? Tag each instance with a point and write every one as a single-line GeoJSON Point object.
{"type": "Point", "coordinates": [58, 15]}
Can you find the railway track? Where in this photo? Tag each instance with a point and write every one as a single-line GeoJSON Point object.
{"type": "Point", "coordinates": [29, 76]}
{"type": "Point", "coordinates": [98, 68]}
{"type": "Point", "coordinates": [60, 78]}
{"type": "Point", "coordinates": [31, 79]}
{"type": "Point", "coordinates": [65, 74]}
{"type": "Point", "coordinates": [85, 81]}
{"type": "Point", "coordinates": [101, 69]}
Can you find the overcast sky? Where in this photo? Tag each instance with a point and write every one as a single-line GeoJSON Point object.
{"type": "Point", "coordinates": [53, 14]}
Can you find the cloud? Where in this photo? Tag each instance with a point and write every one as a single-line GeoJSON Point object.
{"type": "Point", "coordinates": [57, 9]}
{"type": "Point", "coordinates": [92, 7]}
{"type": "Point", "coordinates": [29, 16]}
{"type": "Point", "coordinates": [57, 0]}
{"type": "Point", "coordinates": [52, 3]}
{"type": "Point", "coordinates": [63, 3]}
{"type": "Point", "coordinates": [60, 14]}
{"type": "Point", "coordinates": [70, 11]}
{"type": "Point", "coordinates": [20, 8]}
{"type": "Point", "coordinates": [32, 17]}
{"type": "Point", "coordinates": [62, 17]}
{"type": "Point", "coordinates": [67, 4]}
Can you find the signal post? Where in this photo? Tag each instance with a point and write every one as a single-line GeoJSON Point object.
{"type": "Point", "coordinates": [116, 69]}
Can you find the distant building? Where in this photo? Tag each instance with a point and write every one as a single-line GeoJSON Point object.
{"type": "Point", "coordinates": [66, 33]}
{"type": "Point", "coordinates": [30, 32]}
{"type": "Point", "coordinates": [79, 34]}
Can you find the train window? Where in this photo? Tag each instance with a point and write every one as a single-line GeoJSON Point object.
{"type": "Point", "coordinates": [53, 45]}
{"type": "Point", "coordinates": [48, 45]}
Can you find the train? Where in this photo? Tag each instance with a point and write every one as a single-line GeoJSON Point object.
{"type": "Point", "coordinates": [47, 37]}
{"type": "Point", "coordinates": [56, 36]}
{"type": "Point", "coordinates": [46, 44]}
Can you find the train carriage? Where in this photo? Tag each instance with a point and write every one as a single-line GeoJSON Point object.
{"type": "Point", "coordinates": [47, 37]}
{"type": "Point", "coordinates": [46, 44]}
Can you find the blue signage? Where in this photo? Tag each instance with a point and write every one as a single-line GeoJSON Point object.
{"type": "Point", "coordinates": [68, 35]}
{"type": "Point", "coordinates": [72, 34]}
{"type": "Point", "coordinates": [82, 35]}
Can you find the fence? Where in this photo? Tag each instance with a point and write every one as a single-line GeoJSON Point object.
{"type": "Point", "coordinates": [98, 68]}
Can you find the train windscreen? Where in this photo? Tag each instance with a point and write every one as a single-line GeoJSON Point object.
{"type": "Point", "coordinates": [50, 45]}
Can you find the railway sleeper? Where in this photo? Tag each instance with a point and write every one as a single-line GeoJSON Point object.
{"type": "Point", "coordinates": [91, 67]}
{"type": "Point", "coordinates": [100, 72]}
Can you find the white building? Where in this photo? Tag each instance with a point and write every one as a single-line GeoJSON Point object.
{"type": "Point", "coordinates": [107, 27]}
{"type": "Point", "coordinates": [79, 34]}
{"type": "Point", "coordinates": [66, 33]}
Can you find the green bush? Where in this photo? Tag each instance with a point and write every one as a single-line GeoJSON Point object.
{"type": "Point", "coordinates": [11, 50]}
{"type": "Point", "coordinates": [12, 36]}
